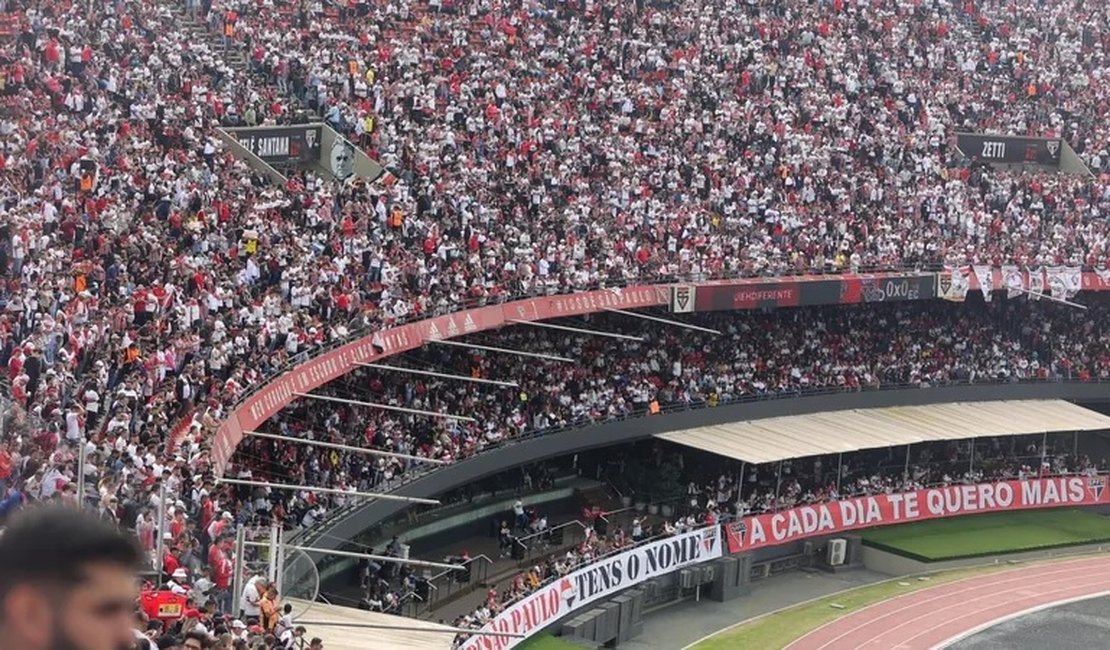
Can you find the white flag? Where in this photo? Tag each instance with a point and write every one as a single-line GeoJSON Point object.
{"type": "Point", "coordinates": [953, 285]}
{"type": "Point", "coordinates": [1055, 282]}
{"type": "Point", "coordinates": [1036, 283]}
{"type": "Point", "coordinates": [1014, 281]}
{"type": "Point", "coordinates": [985, 275]}
{"type": "Point", "coordinates": [1073, 281]}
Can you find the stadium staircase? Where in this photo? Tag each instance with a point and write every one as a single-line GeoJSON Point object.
{"type": "Point", "coordinates": [234, 55]}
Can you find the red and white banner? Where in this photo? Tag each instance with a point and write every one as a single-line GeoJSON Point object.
{"type": "Point", "coordinates": [597, 580]}
{"type": "Point", "coordinates": [280, 391]}
{"type": "Point", "coordinates": [760, 531]}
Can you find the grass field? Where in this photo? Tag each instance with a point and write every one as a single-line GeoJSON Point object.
{"type": "Point", "coordinates": [547, 642]}
{"type": "Point", "coordinates": [777, 630]}
{"type": "Point", "coordinates": [990, 534]}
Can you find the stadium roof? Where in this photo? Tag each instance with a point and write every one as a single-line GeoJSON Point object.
{"type": "Point", "coordinates": [354, 638]}
{"type": "Point", "coordinates": [797, 436]}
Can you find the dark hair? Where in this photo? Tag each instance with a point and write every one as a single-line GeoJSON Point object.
{"type": "Point", "coordinates": [197, 636]}
{"type": "Point", "coordinates": [54, 545]}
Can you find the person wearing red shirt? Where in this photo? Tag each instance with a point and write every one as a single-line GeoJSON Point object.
{"type": "Point", "coordinates": [207, 511]}
{"type": "Point", "coordinates": [170, 562]}
{"type": "Point", "coordinates": [219, 558]}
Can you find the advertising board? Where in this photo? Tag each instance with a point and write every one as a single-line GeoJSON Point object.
{"type": "Point", "coordinates": [834, 517]}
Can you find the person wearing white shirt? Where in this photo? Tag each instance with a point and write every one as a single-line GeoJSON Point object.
{"type": "Point", "coordinates": [252, 597]}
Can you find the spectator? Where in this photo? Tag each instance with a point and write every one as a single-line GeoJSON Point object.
{"type": "Point", "coordinates": [66, 579]}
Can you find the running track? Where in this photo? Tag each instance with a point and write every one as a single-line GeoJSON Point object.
{"type": "Point", "coordinates": [934, 617]}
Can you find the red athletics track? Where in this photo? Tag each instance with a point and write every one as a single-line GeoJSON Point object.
{"type": "Point", "coordinates": [936, 616]}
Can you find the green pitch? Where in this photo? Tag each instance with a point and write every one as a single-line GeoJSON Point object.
{"type": "Point", "coordinates": [990, 534]}
{"type": "Point", "coordinates": [546, 642]}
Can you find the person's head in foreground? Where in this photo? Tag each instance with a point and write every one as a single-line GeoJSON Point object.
{"type": "Point", "coordinates": [67, 582]}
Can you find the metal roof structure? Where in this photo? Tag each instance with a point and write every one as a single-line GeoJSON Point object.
{"type": "Point", "coordinates": [770, 440]}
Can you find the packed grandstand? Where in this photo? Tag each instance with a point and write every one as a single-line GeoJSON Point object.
{"type": "Point", "coordinates": [152, 278]}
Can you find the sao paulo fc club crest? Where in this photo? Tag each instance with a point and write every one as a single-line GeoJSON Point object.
{"type": "Point", "coordinates": [1096, 485]}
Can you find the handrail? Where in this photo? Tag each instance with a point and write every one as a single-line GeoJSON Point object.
{"type": "Point", "coordinates": [605, 515]}
{"type": "Point", "coordinates": [548, 531]}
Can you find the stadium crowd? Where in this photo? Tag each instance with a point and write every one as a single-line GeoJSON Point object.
{"type": "Point", "coordinates": [150, 278]}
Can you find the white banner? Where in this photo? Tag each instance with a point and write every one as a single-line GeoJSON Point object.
{"type": "Point", "coordinates": [1036, 283]}
{"type": "Point", "coordinates": [597, 580]}
{"type": "Point", "coordinates": [1055, 281]}
{"type": "Point", "coordinates": [1073, 281]}
{"type": "Point", "coordinates": [985, 275]}
{"type": "Point", "coordinates": [1014, 281]}
{"type": "Point", "coordinates": [953, 285]}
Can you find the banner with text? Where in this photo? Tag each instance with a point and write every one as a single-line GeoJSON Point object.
{"type": "Point", "coordinates": [1010, 149]}
{"type": "Point", "coordinates": [759, 531]}
{"type": "Point", "coordinates": [595, 581]}
{"type": "Point", "coordinates": [282, 390]}
{"type": "Point", "coordinates": [806, 290]}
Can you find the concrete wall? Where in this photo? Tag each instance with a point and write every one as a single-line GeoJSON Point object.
{"type": "Point", "coordinates": [1070, 162]}
{"type": "Point", "coordinates": [530, 450]}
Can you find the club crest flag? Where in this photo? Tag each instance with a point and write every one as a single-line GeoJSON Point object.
{"type": "Point", "coordinates": [954, 284]}
{"type": "Point", "coordinates": [985, 276]}
{"type": "Point", "coordinates": [1014, 281]}
{"type": "Point", "coordinates": [1036, 283]}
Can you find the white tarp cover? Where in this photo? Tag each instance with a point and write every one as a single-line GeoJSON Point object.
{"type": "Point", "coordinates": [796, 436]}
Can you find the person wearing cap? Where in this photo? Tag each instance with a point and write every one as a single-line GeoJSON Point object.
{"type": "Point", "coordinates": [178, 582]}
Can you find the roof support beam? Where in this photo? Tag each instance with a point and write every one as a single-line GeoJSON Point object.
{"type": "Point", "coordinates": [323, 490]}
{"type": "Point", "coordinates": [666, 321]}
{"type": "Point", "coordinates": [576, 330]}
{"type": "Point", "coordinates": [441, 375]}
{"type": "Point", "coordinates": [386, 407]}
{"type": "Point", "coordinates": [490, 348]}
{"type": "Point", "coordinates": [348, 448]}
{"type": "Point", "coordinates": [410, 628]}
